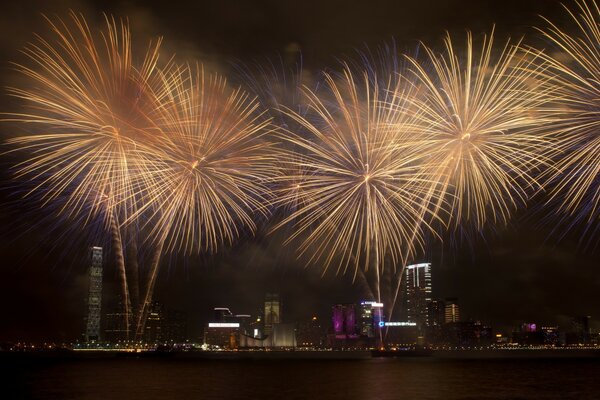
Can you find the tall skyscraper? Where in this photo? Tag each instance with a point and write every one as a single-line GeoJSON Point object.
{"type": "Point", "coordinates": [94, 303]}
{"type": "Point", "coordinates": [417, 284]}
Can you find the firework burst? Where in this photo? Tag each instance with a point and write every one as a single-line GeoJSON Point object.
{"type": "Point", "coordinates": [483, 117]}
{"type": "Point", "coordinates": [203, 177]}
{"type": "Point", "coordinates": [358, 178]}
{"type": "Point", "coordinates": [575, 183]}
{"type": "Point", "coordinates": [86, 97]}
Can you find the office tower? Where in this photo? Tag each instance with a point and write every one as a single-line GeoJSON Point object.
{"type": "Point", "coordinates": [417, 293]}
{"type": "Point", "coordinates": [370, 315]}
{"type": "Point", "coordinates": [452, 313]}
{"type": "Point", "coordinates": [94, 302]}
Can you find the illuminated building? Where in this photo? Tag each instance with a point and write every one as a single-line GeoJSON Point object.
{"type": "Point", "coordinates": [344, 321]}
{"type": "Point", "coordinates": [284, 335]}
{"type": "Point", "coordinates": [417, 293]}
{"type": "Point", "coordinates": [371, 316]}
{"type": "Point", "coordinates": [272, 312]}
{"type": "Point", "coordinates": [452, 313]}
{"type": "Point", "coordinates": [94, 303]}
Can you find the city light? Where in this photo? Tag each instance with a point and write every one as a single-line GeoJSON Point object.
{"type": "Point", "coordinates": [223, 324]}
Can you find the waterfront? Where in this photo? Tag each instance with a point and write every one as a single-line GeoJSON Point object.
{"type": "Point", "coordinates": [406, 378]}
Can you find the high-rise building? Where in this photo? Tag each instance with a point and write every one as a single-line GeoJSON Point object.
{"type": "Point", "coordinates": [451, 313]}
{"type": "Point", "coordinates": [94, 301]}
{"type": "Point", "coordinates": [371, 315]}
{"type": "Point", "coordinates": [417, 284]}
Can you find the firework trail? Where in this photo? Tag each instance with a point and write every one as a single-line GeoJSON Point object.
{"type": "Point", "coordinates": [86, 96]}
{"type": "Point", "coordinates": [203, 178]}
{"type": "Point", "coordinates": [575, 67]}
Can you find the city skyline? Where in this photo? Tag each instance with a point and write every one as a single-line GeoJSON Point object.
{"type": "Point", "coordinates": [315, 199]}
{"type": "Point", "coordinates": [522, 263]}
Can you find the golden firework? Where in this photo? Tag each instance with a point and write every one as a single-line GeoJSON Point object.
{"type": "Point", "coordinates": [575, 70]}
{"type": "Point", "coordinates": [483, 114]}
{"type": "Point", "coordinates": [353, 174]}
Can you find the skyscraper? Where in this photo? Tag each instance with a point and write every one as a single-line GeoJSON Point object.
{"type": "Point", "coordinates": [371, 314]}
{"type": "Point", "coordinates": [94, 303]}
{"type": "Point", "coordinates": [417, 281]}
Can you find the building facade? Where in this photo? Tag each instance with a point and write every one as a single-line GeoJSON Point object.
{"type": "Point", "coordinates": [417, 294]}
{"type": "Point", "coordinates": [94, 300]}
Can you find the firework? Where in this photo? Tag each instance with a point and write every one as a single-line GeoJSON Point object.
{"type": "Point", "coordinates": [483, 117]}
{"type": "Point", "coordinates": [204, 175]}
{"type": "Point", "coordinates": [575, 64]}
{"type": "Point", "coordinates": [87, 97]}
{"type": "Point", "coordinates": [358, 177]}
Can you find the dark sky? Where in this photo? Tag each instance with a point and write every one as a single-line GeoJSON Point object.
{"type": "Point", "coordinates": [515, 274]}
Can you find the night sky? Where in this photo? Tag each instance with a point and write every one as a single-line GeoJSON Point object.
{"type": "Point", "coordinates": [505, 276]}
